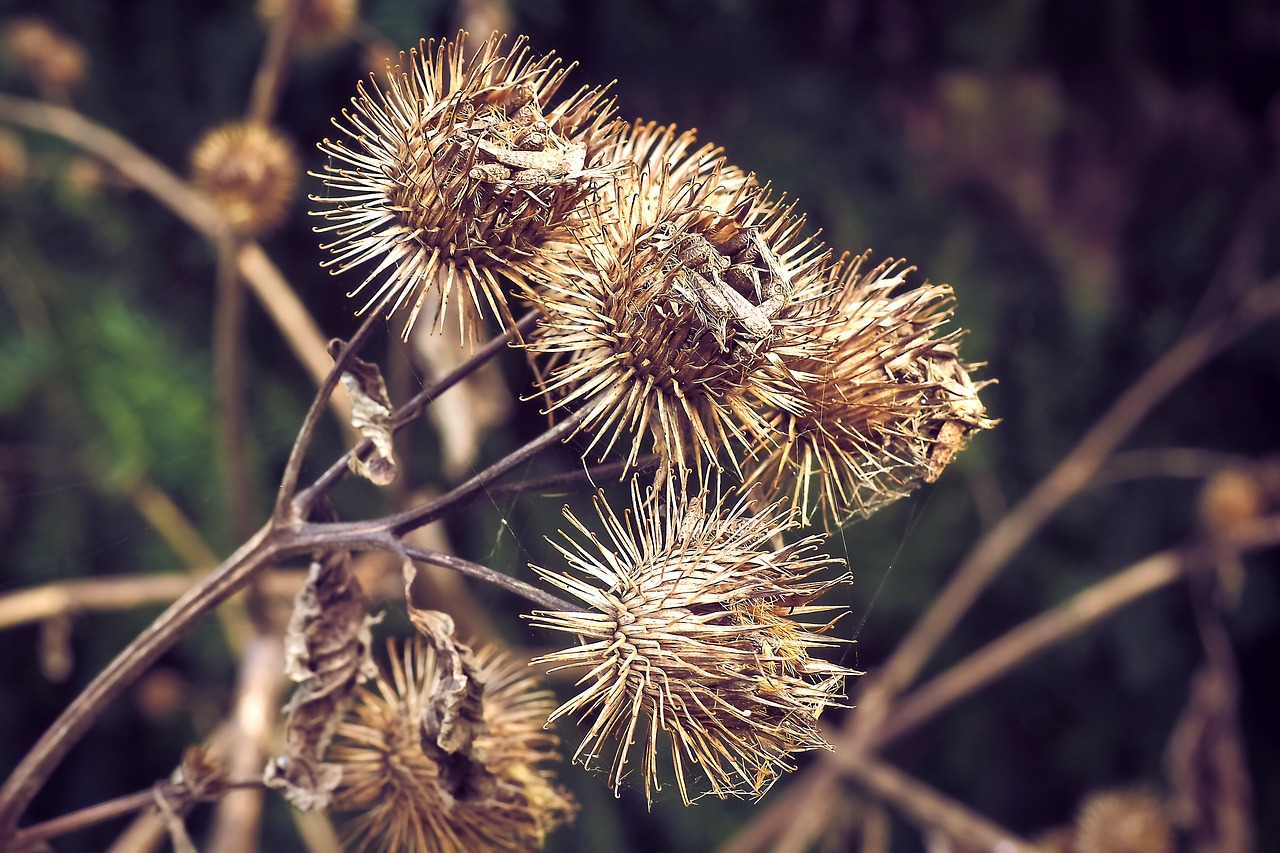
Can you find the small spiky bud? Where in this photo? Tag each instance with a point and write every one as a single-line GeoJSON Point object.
{"type": "Point", "coordinates": [890, 404]}
{"type": "Point", "coordinates": [692, 299]}
{"type": "Point", "coordinates": [319, 25]}
{"type": "Point", "coordinates": [249, 171]}
{"type": "Point", "coordinates": [461, 171]}
{"type": "Point", "coordinates": [396, 788]}
{"type": "Point", "coordinates": [690, 639]}
{"type": "Point", "coordinates": [1124, 821]}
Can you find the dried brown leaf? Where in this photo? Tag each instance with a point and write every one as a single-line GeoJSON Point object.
{"type": "Point", "coordinates": [454, 717]}
{"type": "Point", "coordinates": [327, 653]}
{"type": "Point", "coordinates": [371, 415]}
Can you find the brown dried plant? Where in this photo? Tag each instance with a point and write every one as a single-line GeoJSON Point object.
{"type": "Point", "coordinates": [661, 327]}
{"type": "Point", "coordinates": [679, 305]}
{"type": "Point", "coordinates": [396, 790]}
{"type": "Point", "coordinates": [690, 643]}
{"type": "Point", "coordinates": [457, 171]}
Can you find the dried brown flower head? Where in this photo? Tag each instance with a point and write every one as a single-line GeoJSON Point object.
{"type": "Point", "coordinates": [690, 638]}
{"type": "Point", "coordinates": [319, 25]}
{"type": "Point", "coordinates": [682, 316]}
{"type": "Point", "coordinates": [52, 60]}
{"type": "Point", "coordinates": [396, 788]}
{"type": "Point", "coordinates": [1123, 821]}
{"type": "Point", "coordinates": [461, 171]}
{"type": "Point", "coordinates": [890, 404]}
{"type": "Point", "coordinates": [249, 171]}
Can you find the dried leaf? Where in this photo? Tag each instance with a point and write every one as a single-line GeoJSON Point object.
{"type": "Point", "coordinates": [327, 653]}
{"type": "Point", "coordinates": [371, 413]}
{"type": "Point", "coordinates": [454, 717]}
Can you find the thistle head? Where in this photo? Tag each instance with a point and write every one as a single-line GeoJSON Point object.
{"type": "Point", "coordinates": [891, 400]}
{"type": "Point", "coordinates": [396, 789]}
{"type": "Point", "coordinates": [250, 173]}
{"type": "Point", "coordinates": [677, 318]}
{"type": "Point", "coordinates": [691, 646]}
{"type": "Point", "coordinates": [456, 172]}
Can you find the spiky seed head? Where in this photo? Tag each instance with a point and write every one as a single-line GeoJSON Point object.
{"type": "Point", "coordinates": [1123, 821]}
{"type": "Point", "coordinates": [458, 171]}
{"type": "Point", "coordinates": [249, 171]}
{"type": "Point", "coordinates": [318, 25]}
{"type": "Point", "coordinates": [393, 787]}
{"type": "Point", "coordinates": [690, 643]}
{"type": "Point", "coordinates": [636, 330]}
{"type": "Point", "coordinates": [891, 401]}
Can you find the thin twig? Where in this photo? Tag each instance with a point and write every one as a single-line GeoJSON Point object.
{"type": "Point", "coordinates": [274, 65]}
{"type": "Point", "coordinates": [33, 771]}
{"type": "Point", "coordinates": [926, 807]}
{"type": "Point", "coordinates": [412, 409]}
{"type": "Point", "coordinates": [102, 812]}
{"type": "Point", "coordinates": [498, 579]}
{"type": "Point", "coordinates": [414, 517]}
{"type": "Point", "coordinates": [78, 596]}
{"type": "Point", "coordinates": [554, 484]}
{"type": "Point", "coordinates": [150, 175]}
{"type": "Point", "coordinates": [293, 468]}
{"type": "Point", "coordinates": [1068, 478]}
{"type": "Point", "coordinates": [1046, 630]}
{"type": "Point", "coordinates": [228, 373]}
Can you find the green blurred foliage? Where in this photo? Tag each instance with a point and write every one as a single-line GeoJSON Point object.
{"type": "Point", "coordinates": [1077, 171]}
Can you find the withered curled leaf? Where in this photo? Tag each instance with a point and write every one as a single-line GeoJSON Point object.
{"type": "Point", "coordinates": [327, 654]}
{"type": "Point", "coordinates": [454, 717]}
{"type": "Point", "coordinates": [371, 413]}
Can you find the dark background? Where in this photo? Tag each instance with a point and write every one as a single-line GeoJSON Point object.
{"type": "Point", "coordinates": [1078, 170]}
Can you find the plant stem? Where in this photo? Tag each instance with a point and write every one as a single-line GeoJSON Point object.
{"type": "Point", "coordinates": [293, 468]}
{"type": "Point", "coordinates": [498, 579]}
{"type": "Point", "coordinates": [33, 771]}
{"type": "Point", "coordinates": [102, 812]}
{"type": "Point", "coordinates": [228, 371]}
{"type": "Point", "coordinates": [1042, 632]}
{"type": "Point", "coordinates": [1068, 478]}
{"type": "Point", "coordinates": [412, 409]}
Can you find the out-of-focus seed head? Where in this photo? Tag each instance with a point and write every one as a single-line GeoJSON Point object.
{"type": "Point", "coordinates": [394, 790]}
{"type": "Point", "coordinates": [1124, 821]}
{"type": "Point", "coordinates": [250, 172]}
{"type": "Point", "coordinates": [319, 25]}
{"type": "Point", "coordinates": [890, 404]}
{"type": "Point", "coordinates": [459, 171]}
{"type": "Point", "coordinates": [49, 58]}
{"type": "Point", "coordinates": [691, 646]}
{"type": "Point", "coordinates": [679, 318]}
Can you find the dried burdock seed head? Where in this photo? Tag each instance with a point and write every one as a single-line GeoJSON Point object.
{"type": "Point", "coordinates": [1124, 821]}
{"type": "Point", "coordinates": [460, 172]}
{"type": "Point", "coordinates": [319, 25]}
{"type": "Point", "coordinates": [681, 317]}
{"type": "Point", "coordinates": [49, 58]}
{"type": "Point", "coordinates": [249, 171]}
{"type": "Point", "coordinates": [395, 788]}
{"type": "Point", "coordinates": [691, 644]}
{"type": "Point", "coordinates": [890, 404]}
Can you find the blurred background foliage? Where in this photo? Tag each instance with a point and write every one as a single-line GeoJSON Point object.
{"type": "Point", "coordinates": [1081, 171]}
